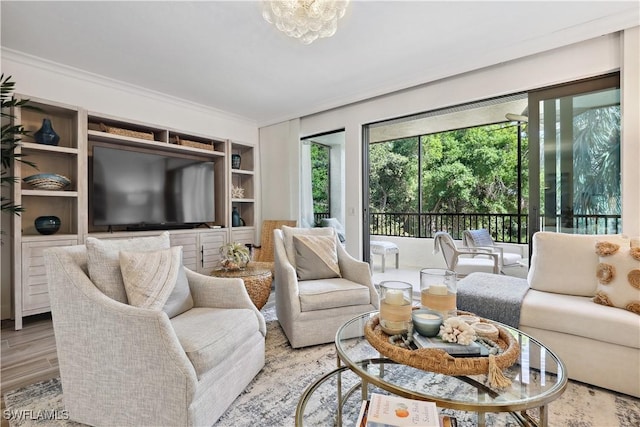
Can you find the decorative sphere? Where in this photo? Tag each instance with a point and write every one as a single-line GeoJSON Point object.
{"type": "Point", "coordinates": [47, 224]}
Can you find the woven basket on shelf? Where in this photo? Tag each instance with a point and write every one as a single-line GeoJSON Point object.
{"type": "Point", "coordinates": [194, 144]}
{"type": "Point", "coordinates": [47, 181]}
{"type": "Point", "coordinates": [126, 132]}
{"type": "Point", "coordinates": [437, 360]}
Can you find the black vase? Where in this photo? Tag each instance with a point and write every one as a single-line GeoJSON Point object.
{"type": "Point", "coordinates": [235, 161]}
{"type": "Point", "coordinates": [236, 220]}
{"type": "Point", "coordinates": [47, 224]}
{"type": "Point", "coordinates": [46, 135]}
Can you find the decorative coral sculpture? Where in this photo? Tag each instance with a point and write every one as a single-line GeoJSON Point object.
{"type": "Point", "coordinates": [457, 330]}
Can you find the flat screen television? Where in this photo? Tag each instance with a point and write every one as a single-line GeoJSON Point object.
{"type": "Point", "coordinates": [143, 189]}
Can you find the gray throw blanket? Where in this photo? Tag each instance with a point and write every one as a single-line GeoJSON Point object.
{"type": "Point", "coordinates": [492, 296]}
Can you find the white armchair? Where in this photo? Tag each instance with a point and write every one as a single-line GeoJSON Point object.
{"type": "Point", "coordinates": [465, 260]}
{"type": "Point", "coordinates": [310, 311]}
{"type": "Point", "coordinates": [126, 365]}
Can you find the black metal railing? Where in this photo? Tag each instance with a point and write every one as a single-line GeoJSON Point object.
{"type": "Point", "coordinates": [504, 228]}
{"type": "Point", "coordinates": [322, 215]}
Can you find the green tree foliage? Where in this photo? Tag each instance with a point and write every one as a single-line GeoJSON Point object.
{"type": "Point", "coordinates": [320, 178]}
{"type": "Point", "coordinates": [470, 170]}
{"type": "Point", "coordinates": [393, 180]}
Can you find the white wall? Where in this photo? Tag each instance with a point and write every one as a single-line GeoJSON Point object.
{"type": "Point", "coordinates": [582, 60]}
{"type": "Point", "coordinates": [42, 79]}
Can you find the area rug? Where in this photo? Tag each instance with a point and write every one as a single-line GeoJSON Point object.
{"type": "Point", "coordinates": [271, 399]}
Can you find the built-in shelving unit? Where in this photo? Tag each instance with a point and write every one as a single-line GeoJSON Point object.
{"type": "Point", "coordinates": [79, 131]}
{"type": "Point", "coordinates": [68, 158]}
{"type": "Point", "coordinates": [245, 178]}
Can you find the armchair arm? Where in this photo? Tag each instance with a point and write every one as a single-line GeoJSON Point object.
{"type": "Point", "coordinates": [475, 252]}
{"type": "Point", "coordinates": [357, 271]}
{"type": "Point", "coordinates": [218, 292]}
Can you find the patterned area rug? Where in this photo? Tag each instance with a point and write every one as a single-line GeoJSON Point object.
{"type": "Point", "coordinates": [271, 399]}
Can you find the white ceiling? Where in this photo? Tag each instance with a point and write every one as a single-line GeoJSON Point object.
{"type": "Point", "coordinates": [224, 55]}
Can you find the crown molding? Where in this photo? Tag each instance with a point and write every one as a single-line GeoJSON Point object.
{"type": "Point", "coordinates": [97, 79]}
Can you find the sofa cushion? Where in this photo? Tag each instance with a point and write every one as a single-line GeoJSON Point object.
{"type": "Point", "coordinates": [331, 293]}
{"type": "Point", "coordinates": [180, 299]}
{"type": "Point", "coordinates": [210, 335]}
{"type": "Point", "coordinates": [103, 261]}
{"type": "Point", "coordinates": [316, 257]}
{"type": "Point", "coordinates": [579, 316]}
{"type": "Point", "coordinates": [480, 237]}
{"type": "Point", "coordinates": [149, 277]}
{"type": "Point", "coordinates": [565, 263]}
{"type": "Point", "coordinates": [618, 277]}
{"type": "Point", "coordinates": [289, 232]}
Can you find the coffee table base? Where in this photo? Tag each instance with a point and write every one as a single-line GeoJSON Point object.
{"type": "Point", "coordinates": [522, 418]}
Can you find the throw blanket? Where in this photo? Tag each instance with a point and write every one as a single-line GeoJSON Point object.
{"type": "Point", "coordinates": [492, 296]}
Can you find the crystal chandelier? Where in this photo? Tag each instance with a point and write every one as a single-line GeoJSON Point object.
{"type": "Point", "coordinates": [305, 19]}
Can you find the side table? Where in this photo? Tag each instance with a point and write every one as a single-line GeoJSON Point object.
{"type": "Point", "coordinates": [256, 280]}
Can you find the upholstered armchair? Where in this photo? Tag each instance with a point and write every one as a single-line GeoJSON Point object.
{"type": "Point", "coordinates": [482, 239]}
{"type": "Point", "coordinates": [319, 286]}
{"type": "Point", "coordinates": [122, 364]}
{"type": "Point", "coordinates": [465, 260]}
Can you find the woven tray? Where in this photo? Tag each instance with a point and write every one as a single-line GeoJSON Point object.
{"type": "Point", "coordinates": [437, 360]}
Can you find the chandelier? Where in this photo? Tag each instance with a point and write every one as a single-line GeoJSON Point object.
{"type": "Point", "coordinates": [305, 19]}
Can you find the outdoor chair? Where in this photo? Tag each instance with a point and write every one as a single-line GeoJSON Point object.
{"type": "Point", "coordinates": [465, 260]}
{"type": "Point", "coordinates": [482, 239]}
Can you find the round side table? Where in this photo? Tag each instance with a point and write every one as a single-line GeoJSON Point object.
{"type": "Point", "coordinates": [256, 280]}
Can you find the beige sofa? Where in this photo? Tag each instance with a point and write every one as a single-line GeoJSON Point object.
{"type": "Point", "coordinates": [599, 345]}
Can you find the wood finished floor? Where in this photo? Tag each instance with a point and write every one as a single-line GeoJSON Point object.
{"type": "Point", "coordinates": [27, 356]}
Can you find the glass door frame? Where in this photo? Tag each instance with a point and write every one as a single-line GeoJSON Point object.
{"type": "Point", "coordinates": [609, 81]}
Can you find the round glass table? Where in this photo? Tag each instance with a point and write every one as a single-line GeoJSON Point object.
{"type": "Point", "coordinates": [537, 378]}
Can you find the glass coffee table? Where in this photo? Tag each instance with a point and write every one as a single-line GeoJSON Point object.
{"type": "Point", "coordinates": [538, 377]}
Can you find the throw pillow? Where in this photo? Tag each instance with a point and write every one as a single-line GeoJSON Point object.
{"type": "Point", "coordinates": [150, 277]}
{"type": "Point", "coordinates": [289, 232]}
{"type": "Point", "coordinates": [563, 263]}
{"type": "Point", "coordinates": [618, 276]}
{"type": "Point", "coordinates": [316, 257]}
{"type": "Point", "coordinates": [180, 299]}
{"type": "Point", "coordinates": [103, 262]}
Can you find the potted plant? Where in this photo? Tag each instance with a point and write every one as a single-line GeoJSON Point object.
{"type": "Point", "coordinates": [235, 256]}
{"type": "Point", "coordinates": [11, 135]}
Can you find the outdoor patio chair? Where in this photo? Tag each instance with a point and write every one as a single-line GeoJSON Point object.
{"type": "Point", "coordinates": [482, 239]}
{"type": "Point", "coordinates": [465, 260]}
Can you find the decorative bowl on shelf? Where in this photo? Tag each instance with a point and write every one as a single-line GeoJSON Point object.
{"type": "Point", "coordinates": [47, 181]}
{"type": "Point", "coordinates": [47, 224]}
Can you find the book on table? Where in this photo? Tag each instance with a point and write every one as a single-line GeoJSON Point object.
{"type": "Point", "coordinates": [454, 349]}
{"type": "Point", "coordinates": [394, 411]}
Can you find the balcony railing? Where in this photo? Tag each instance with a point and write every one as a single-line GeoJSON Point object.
{"type": "Point", "coordinates": [504, 228]}
{"type": "Point", "coordinates": [509, 228]}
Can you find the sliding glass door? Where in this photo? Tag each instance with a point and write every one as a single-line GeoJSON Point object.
{"type": "Point", "coordinates": [575, 150]}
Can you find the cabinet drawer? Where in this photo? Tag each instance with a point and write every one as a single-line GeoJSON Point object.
{"type": "Point", "coordinates": [35, 292]}
{"type": "Point", "coordinates": [246, 235]}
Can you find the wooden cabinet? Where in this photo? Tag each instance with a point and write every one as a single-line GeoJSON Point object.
{"type": "Point", "coordinates": [244, 191]}
{"type": "Point", "coordinates": [200, 249]}
{"type": "Point", "coordinates": [67, 158]}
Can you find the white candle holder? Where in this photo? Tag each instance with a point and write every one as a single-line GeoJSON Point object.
{"type": "Point", "coordinates": [438, 291]}
{"type": "Point", "coordinates": [395, 307]}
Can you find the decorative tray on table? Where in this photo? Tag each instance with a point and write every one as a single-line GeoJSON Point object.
{"type": "Point", "coordinates": [438, 360]}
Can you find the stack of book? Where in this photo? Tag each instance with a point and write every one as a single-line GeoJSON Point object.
{"type": "Point", "coordinates": [394, 411]}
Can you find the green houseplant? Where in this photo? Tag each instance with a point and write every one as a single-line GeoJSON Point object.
{"type": "Point", "coordinates": [235, 256]}
{"type": "Point", "coordinates": [11, 136]}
